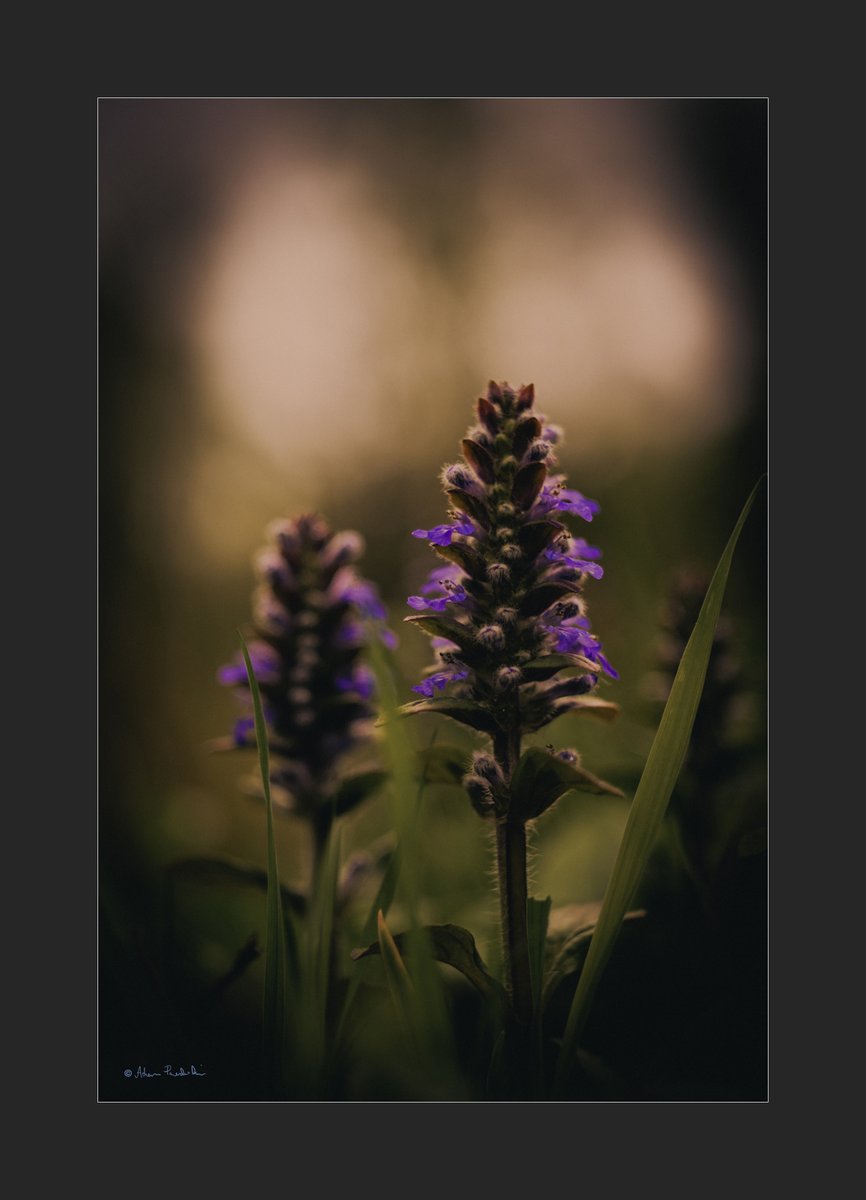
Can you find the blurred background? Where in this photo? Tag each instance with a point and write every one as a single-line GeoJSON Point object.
{"type": "Point", "coordinates": [300, 302]}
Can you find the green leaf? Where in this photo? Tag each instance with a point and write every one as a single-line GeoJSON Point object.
{"type": "Point", "coordinates": [231, 872]}
{"type": "Point", "coordinates": [541, 778]}
{"type": "Point", "coordinates": [571, 954]}
{"type": "Point", "coordinates": [455, 946]}
{"type": "Point", "coordinates": [356, 788]}
{"type": "Point", "coordinates": [320, 947]}
{"type": "Point", "coordinates": [653, 792]}
{"type": "Point", "coordinates": [464, 711]}
{"type": "Point", "coordinates": [276, 990]}
{"type": "Point", "coordinates": [443, 764]}
{"type": "Point", "coordinates": [430, 1023]}
{"type": "Point", "coordinates": [399, 983]}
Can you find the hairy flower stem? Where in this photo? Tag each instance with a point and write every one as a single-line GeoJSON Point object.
{"type": "Point", "coordinates": [511, 867]}
{"type": "Point", "coordinates": [511, 870]}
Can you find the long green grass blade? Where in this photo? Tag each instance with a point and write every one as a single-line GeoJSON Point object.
{"type": "Point", "coordinates": [399, 983]}
{"type": "Point", "coordinates": [320, 934]}
{"type": "Point", "coordinates": [651, 798]}
{"type": "Point", "coordinates": [276, 993]}
{"type": "Point", "coordinates": [430, 1009]}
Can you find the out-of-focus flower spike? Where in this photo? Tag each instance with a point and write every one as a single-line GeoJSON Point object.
{"type": "Point", "coordinates": [311, 617]}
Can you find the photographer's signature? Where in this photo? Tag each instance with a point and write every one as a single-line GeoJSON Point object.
{"type": "Point", "coordinates": [168, 1071]}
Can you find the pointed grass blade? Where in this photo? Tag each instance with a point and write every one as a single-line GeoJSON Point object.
{"type": "Point", "coordinates": [399, 984]}
{"type": "Point", "coordinates": [276, 993]}
{"type": "Point", "coordinates": [321, 931]}
{"type": "Point", "coordinates": [429, 997]}
{"type": "Point", "coordinates": [653, 792]}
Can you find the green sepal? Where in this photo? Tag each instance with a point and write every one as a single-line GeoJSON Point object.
{"type": "Point", "coordinates": [464, 711]}
{"type": "Point", "coordinates": [541, 778]}
{"type": "Point", "coordinates": [443, 764]}
{"type": "Point", "coordinates": [455, 946]}
{"type": "Point", "coordinates": [356, 788]}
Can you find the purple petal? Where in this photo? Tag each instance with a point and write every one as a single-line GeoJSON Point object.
{"type": "Point", "coordinates": [582, 547]}
{"type": "Point", "coordinates": [606, 667]}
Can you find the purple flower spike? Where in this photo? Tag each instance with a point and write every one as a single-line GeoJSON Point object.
{"type": "Point", "coordinates": [514, 594]}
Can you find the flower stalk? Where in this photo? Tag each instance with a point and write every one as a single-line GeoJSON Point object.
{"type": "Point", "coordinates": [306, 644]}
{"type": "Point", "coordinates": [513, 643]}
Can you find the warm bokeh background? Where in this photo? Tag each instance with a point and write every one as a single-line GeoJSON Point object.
{"type": "Point", "coordinates": [300, 302]}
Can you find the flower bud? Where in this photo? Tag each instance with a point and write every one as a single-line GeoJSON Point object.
{"type": "Point", "coordinates": [507, 678]}
{"type": "Point", "coordinates": [487, 767]}
{"type": "Point", "coordinates": [491, 637]}
{"type": "Point", "coordinates": [458, 475]}
{"type": "Point", "coordinates": [480, 795]}
{"type": "Point", "coordinates": [539, 451]}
